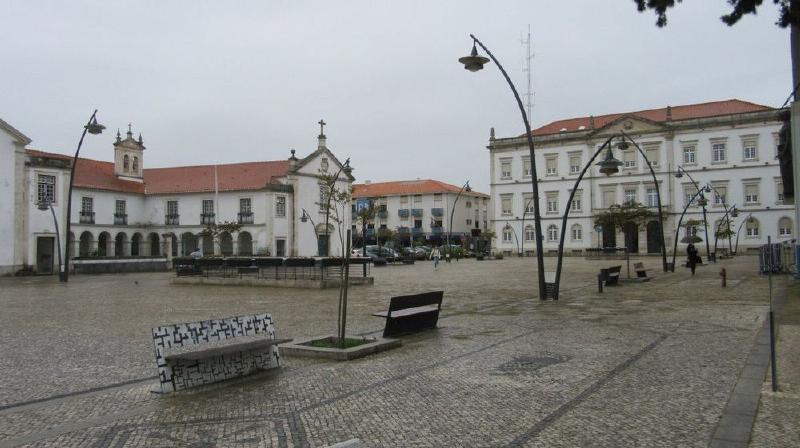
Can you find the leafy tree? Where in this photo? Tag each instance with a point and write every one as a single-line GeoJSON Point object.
{"type": "Point", "coordinates": [618, 215]}
{"type": "Point", "coordinates": [363, 217]}
{"type": "Point", "coordinates": [216, 229]}
{"type": "Point", "coordinates": [691, 238]}
{"type": "Point", "coordinates": [789, 10]}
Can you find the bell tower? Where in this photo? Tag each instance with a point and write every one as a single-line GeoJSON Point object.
{"type": "Point", "coordinates": [129, 156]}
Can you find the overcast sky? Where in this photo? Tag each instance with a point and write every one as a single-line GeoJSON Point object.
{"type": "Point", "coordinates": [223, 81]}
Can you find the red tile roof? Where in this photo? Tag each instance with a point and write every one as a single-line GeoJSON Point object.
{"type": "Point", "coordinates": [402, 187]}
{"type": "Point", "coordinates": [99, 175]}
{"type": "Point", "coordinates": [687, 112]}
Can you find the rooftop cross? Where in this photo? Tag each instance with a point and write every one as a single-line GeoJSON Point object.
{"type": "Point", "coordinates": [322, 127]}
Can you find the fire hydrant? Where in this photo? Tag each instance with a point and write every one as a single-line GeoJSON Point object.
{"type": "Point", "coordinates": [724, 276]}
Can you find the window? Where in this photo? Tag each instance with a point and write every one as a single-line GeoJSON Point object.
{"type": "Point", "coordinates": [629, 159]}
{"type": "Point", "coordinates": [87, 205]}
{"type": "Point", "coordinates": [172, 208]}
{"type": "Point", "coordinates": [552, 202]}
{"type": "Point", "coordinates": [323, 197]}
{"type": "Point", "coordinates": [691, 231]}
{"type": "Point", "coordinates": [46, 188]}
{"type": "Point", "coordinates": [552, 233]}
{"type": "Point", "coordinates": [468, 204]}
{"type": "Point", "coordinates": [280, 206]}
{"type": "Point", "coordinates": [469, 222]}
{"type": "Point", "coordinates": [689, 152]}
{"type": "Point", "coordinates": [752, 227]}
{"type": "Point", "coordinates": [135, 164]}
{"type": "Point", "coordinates": [652, 197]}
{"type": "Point", "coordinates": [577, 205]}
{"type": "Point", "coordinates": [505, 204]}
{"type": "Point", "coordinates": [119, 207]}
{"type": "Point", "coordinates": [417, 199]}
{"type": "Point", "coordinates": [506, 234]}
{"type": "Point", "coordinates": [208, 206]}
{"type": "Point", "coordinates": [651, 151]}
{"type": "Point", "coordinates": [718, 152]}
{"type": "Point", "coordinates": [609, 198]}
{"type": "Point", "coordinates": [404, 200]}
{"type": "Point", "coordinates": [526, 166]}
{"type": "Point", "coordinates": [551, 165]}
{"type": "Point", "coordinates": [245, 205]}
{"type": "Point", "coordinates": [126, 163]}
{"type": "Point", "coordinates": [720, 195]}
{"type": "Point", "coordinates": [505, 168]}
{"type": "Point", "coordinates": [784, 227]}
{"type": "Point", "coordinates": [575, 164]}
{"type": "Point", "coordinates": [750, 149]}
{"type": "Point", "coordinates": [528, 199]}
{"type": "Point", "coordinates": [530, 233]}
{"type": "Point", "coordinates": [576, 232]}
{"type": "Point", "coordinates": [323, 164]}
{"type": "Point", "coordinates": [437, 198]}
{"type": "Point", "coordinates": [779, 192]}
{"type": "Point", "coordinates": [630, 195]}
{"type": "Point", "coordinates": [417, 223]}
{"type": "Point", "coordinates": [751, 193]}
{"type": "Point", "coordinates": [688, 196]}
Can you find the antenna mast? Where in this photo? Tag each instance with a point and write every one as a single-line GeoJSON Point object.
{"type": "Point", "coordinates": [529, 96]}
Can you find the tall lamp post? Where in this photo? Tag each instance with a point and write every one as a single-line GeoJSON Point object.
{"type": "Point", "coordinates": [702, 202]}
{"type": "Point", "coordinates": [307, 218]}
{"type": "Point", "coordinates": [514, 231]}
{"type": "Point", "coordinates": [43, 206]}
{"type": "Point", "coordinates": [467, 188]}
{"type": "Point", "coordinates": [473, 63]}
{"type": "Point", "coordinates": [94, 128]}
{"type": "Point", "coordinates": [707, 189]}
{"type": "Point", "coordinates": [524, 235]}
{"type": "Point", "coordinates": [731, 212]}
{"type": "Point", "coordinates": [748, 219]}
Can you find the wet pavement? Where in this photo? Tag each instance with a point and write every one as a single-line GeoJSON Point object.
{"type": "Point", "coordinates": [643, 364]}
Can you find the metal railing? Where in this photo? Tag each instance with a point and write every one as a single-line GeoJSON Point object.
{"type": "Point", "coordinates": [87, 218]}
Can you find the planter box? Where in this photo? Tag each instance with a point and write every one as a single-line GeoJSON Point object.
{"type": "Point", "coordinates": [300, 348]}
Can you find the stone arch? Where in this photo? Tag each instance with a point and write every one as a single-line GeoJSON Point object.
{"type": "Point", "coordinates": [155, 244]}
{"type": "Point", "coordinates": [530, 233]}
{"type": "Point", "coordinates": [135, 165]}
{"type": "Point", "coordinates": [245, 243]}
{"type": "Point", "coordinates": [126, 163]}
{"type": "Point", "coordinates": [173, 244]}
{"type": "Point", "coordinates": [552, 233]}
{"type": "Point", "coordinates": [188, 243]}
{"type": "Point", "coordinates": [225, 243]}
{"type": "Point", "coordinates": [576, 232]}
{"type": "Point", "coordinates": [120, 244]}
{"type": "Point", "coordinates": [85, 244]}
{"type": "Point", "coordinates": [207, 244]}
{"type": "Point", "coordinates": [785, 226]}
{"type": "Point", "coordinates": [103, 243]}
{"type": "Point", "coordinates": [136, 244]}
{"type": "Point", "coordinates": [752, 227]}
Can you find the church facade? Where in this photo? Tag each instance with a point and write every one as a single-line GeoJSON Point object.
{"type": "Point", "coordinates": [124, 209]}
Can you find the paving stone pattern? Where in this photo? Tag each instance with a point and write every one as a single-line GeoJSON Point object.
{"type": "Point", "coordinates": [649, 364]}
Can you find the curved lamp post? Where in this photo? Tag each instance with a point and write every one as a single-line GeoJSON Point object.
{"type": "Point", "coordinates": [707, 189]}
{"type": "Point", "coordinates": [473, 63]}
{"type": "Point", "coordinates": [307, 218]}
{"type": "Point", "coordinates": [608, 166]}
{"type": "Point", "coordinates": [94, 128]}
{"type": "Point", "coordinates": [514, 231]}
{"type": "Point", "coordinates": [466, 188]}
{"type": "Point", "coordinates": [624, 145]}
{"type": "Point", "coordinates": [702, 202]}
{"type": "Point", "coordinates": [731, 212]}
{"type": "Point", "coordinates": [43, 206]}
{"type": "Point", "coordinates": [748, 219]}
{"type": "Point", "coordinates": [524, 212]}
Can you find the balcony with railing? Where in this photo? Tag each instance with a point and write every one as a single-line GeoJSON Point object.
{"type": "Point", "coordinates": [416, 212]}
{"type": "Point", "coordinates": [403, 230]}
{"type": "Point", "coordinates": [437, 211]}
{"type": "Point", "coordinates": [383, 214]}
{"type": "Point", "coordinates": [436, 230]}
{"type": "Point", "coordinates": [246, 218]}
{"type": "Point", "coordinates": [120, 219]}
{"type": "Point", "coordinates": [172, 220]}
{"type": "Point", "coordinates": [417, 231]}
{"type": "Point", "coordinates": [403, 213]}
{"type": "Point", "coordinates": [207, 218]}
{"type": "Point", "coordinates": [87, 218]}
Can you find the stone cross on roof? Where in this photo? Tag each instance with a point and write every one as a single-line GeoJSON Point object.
{"type": "Point", "coordinates": [321, 127]}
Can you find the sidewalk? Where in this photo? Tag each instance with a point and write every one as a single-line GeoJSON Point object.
{"type": "Point", "coordinates": [776, 423]}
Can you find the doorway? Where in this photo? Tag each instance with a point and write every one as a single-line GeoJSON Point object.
{"type": "Point", "coordinates": [631, 231]}
{"type": "Point", "coordinates": [653, 237]}
{"type": "Point", "coordinates": [45, 246]}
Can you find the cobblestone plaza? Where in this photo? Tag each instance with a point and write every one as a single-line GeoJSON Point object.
{"type": "Point", "coordinates": [643, 364]}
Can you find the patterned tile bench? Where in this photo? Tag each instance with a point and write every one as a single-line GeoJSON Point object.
{"type": "Point", "coordinates": [181, 365]}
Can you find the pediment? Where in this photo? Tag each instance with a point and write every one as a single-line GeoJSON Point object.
{"type": "Point", "coordinates": [629, 124]}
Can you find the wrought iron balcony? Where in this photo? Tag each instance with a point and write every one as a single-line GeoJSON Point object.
{"type": "Point", "coordinates": [87, 218]}
{"type": "Point", "coordinates": [403, 213]}
{"type": "Point", "coordinates": [120, 219]}
{"type": "Point", "coordinates": [171, 220]}
{"type": "Point", "coordinates": [245, 217]}
{"type": "Point", "coordinates": [207, 218]}
{"type": "Point", "coordinates": [416, 212]}
{"type": "Point", "coordinates": [383, 214]}
{"type": "Point", "coordinates": [437, 211]}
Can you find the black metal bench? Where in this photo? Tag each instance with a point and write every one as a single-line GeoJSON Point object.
{"type": "Point", "coordinates": [412, 313]}
{"type": "Point", "coordinates": [608, 275]}
{"type": "Point", "coordinates": [641, 272]}
{"type": "Point", "coordinates": [185, 266]}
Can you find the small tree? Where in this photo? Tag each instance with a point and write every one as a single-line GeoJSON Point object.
{"type": "Point", "coordinates": [216, 229]}
{"type": "Point", "coordinates": [691, 237]}
{"type": "Point", "coordinates": [363, 217]}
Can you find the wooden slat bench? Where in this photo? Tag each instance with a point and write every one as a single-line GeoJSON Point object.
{"type": "Point", "coordinates": [204, 365]}
{"type": "Point", "coordinates": [608, 275]}
{"type": "Point", "coordinates": [412, 313]}
{"type": "Point", "coordinates": [641, 272]}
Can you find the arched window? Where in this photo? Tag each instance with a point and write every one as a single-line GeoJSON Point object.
{"type": "Point", "coordinates": [126, 163]}
{"type": "Point", "coordinates": [135, 164]}
{"type": "Point", "coordinates": [752, 227]}
{"type": "Point", "coordinates": [577, 232]}
{"type": "Point", "coordinates": [530, 233]}
{"type": "Point", "coordinates": [552, 233]}
{"type": "Point", "coordinates": [785, 227]}
{"type": "Point", "coordinates": [507, 234]}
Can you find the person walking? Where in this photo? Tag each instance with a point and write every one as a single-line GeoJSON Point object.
{"type": "Point", "coordinates": [691, 254]}
{"type": "Point", "coordinates": [435, 256]}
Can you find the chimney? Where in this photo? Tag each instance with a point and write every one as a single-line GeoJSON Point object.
{"type": "Point", "coordinates": [669, 113]}
{"type": "Point", "coordinates": [491, 134]}
{"type": "Point", "coordinates": [591, 121]}
{"type": "Point", "coordinates": [292, 161]}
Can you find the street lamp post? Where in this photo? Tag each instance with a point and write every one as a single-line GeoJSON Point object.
{"type": "Point", "coordinates": [702, 202]}
{"type": "Point", "coordinates": [452, 211]}
{"type": "Point", "coordinates": [514, 231]}
{"type": "Point", "coordinates": [331, 190]}
{"type": "Point", "coordinates": [678, 174]}
{"type": "Point", "coordinates": [748, 219]}
{"type": "Point", "coordinates": [524, 235]}
{"type": "Point", "coordinates": [43, 206]}
{"type": "Point", "coordinates": [731, 212]}
{"type": "Point", "coordinates": [94, 128]}
{"type": "Point", "coordinates": [473, 63]}
{"type": "Point", "coordinates": [307, 218]}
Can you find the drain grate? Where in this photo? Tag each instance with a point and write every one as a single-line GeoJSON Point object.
{"type": "Point", "coordinates": [520, 365]}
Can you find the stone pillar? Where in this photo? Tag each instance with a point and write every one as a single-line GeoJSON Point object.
{"type": "Point", "coordinates": [168, 250]}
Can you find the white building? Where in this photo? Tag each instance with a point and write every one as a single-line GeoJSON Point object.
{"type": "Point", "coordinates": [421, 209]}
{"type": "Point", "coordinates": [121, 208]}
{"type": "Point", "coordinates": [729, 145]}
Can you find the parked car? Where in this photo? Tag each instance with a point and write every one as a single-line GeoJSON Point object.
{"type": "Point", "coordinates": [382, 252]}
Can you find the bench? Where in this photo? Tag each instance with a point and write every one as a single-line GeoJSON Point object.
{"type": "Point", "coordinates": [186, 266]}
{"type": "Point", "coordinates": [412, 313]}
{"type": "Point", "coordinates": [641, 272]}
{"type": "Point", "coordinates": [179, 369]}
{"type": "Point", "coordinates": [608, 275]}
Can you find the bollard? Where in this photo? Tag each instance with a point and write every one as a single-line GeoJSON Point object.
{"type": "Point", "coordinates": [724, 275]}
{"type": "Point", "coordinates": [600, 283]}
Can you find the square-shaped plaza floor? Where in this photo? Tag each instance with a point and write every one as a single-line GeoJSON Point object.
{"type": "Point", "coordinates": [642, 364]}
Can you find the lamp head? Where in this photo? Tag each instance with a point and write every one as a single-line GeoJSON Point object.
{"type": "Point", "coordinates": [94, 127]}
{"type": "Point", "coordinates": [622, 145]}
{"type": "Point", "coordinates": [304, 218]}
{"type": "Point", "coordinates": [43, 205]}
{"type": "Point", "coordinates": [678, 174]}
{"type": "Point", "coordinates": [702, 202]}
{"type": "Point", "coordinates": [473, 62]}
{"type": "Point", "coordinates": [707, 189]}
{"type": "Point", "coordinates": [735, 212]}
{"type": "Point", "coordinates": [609, 165]}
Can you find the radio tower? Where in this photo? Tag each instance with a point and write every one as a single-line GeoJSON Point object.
{"type": "Point", "coordinates": [529, 97]}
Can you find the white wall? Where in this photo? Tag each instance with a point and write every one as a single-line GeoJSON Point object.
{"type": "Point", "coordinates": [7, 199]}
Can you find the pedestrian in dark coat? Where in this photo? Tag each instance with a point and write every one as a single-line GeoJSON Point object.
{"type": "Point", "coordinates": [691, 254]}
